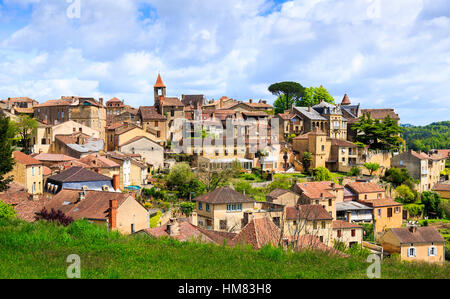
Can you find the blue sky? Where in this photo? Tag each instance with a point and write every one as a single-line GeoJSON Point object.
{"type": "Point", "coordinates": [382, 53]}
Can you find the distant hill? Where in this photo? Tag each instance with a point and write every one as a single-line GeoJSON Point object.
{"type": "Point", "coordinates": [425, 138]}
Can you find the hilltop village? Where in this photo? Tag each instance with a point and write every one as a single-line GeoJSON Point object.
{"type": "Point", "coordinates": [303, 178]}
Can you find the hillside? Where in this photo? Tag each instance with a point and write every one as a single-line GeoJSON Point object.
{"type": "Point", "coordinates": [40, 251]}
{"type": "Point", "coordinates": [425, 138]}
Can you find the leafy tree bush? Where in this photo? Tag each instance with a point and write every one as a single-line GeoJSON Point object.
{"type": "Point", "coordinates": [322, 174]}
{"type": "Point", "coordinates": [355, 171]}
{"type": "Point", "coordinates": [405, 194]}
{"type": "Point", "coordinates": [187, 208]}
{"type": "Point", "coordinates": [54, 216]}
{"type": "Point", "coordinates": [279, 183]}
{"type": "Point", "coordinates": [290, 90]}
{"type": "Point", "coordinates": [432, 202]}
{"type": "Point", "coordinates": [398, 177]}
{"type": "Point", "coordinates": [6, 211]}
{"type": "Point", "coordinates": [313, 96]}
{"type": "Point", "coordinates": [372, 167]}
{"type": "Point", "coordinates": [414, 210]}
{"type": "Point", "coordinates": [306, 161]}
{"type": "Point", "coordinates": [6, 160]}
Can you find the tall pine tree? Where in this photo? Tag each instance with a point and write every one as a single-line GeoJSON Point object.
{"type": "Point", "coordinates": [6, 159]}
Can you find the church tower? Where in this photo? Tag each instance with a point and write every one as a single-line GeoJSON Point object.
{"type": "Point", "coordinates": [159, 91]}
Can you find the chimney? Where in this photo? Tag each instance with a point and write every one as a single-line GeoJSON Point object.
{"type": "Point", "coordinates": [112, 220]}
{"type": "Point", "coordinates": [309, 108]}
{"type": "Point", "coordinates": [333, 186]}
{"type": "Point", "coordinates": [97, 170]}
{"type": "Point", "coordinates": [250, 101]}
{"type": "Point", "coordinates": [412, 228]}
{"type": "Point", "coordinates": [40, 151]}
{"type": "Point", "coordinates": [194, 219]}
{"type": "Point", "coordinates": [101, 101]}
{"type": "Point", "coordinates": [248, 217]}
{"type": "Point", "coordinates": [173, 228]}
{"type": "Point", "coordinates": [115, 182]}
{"type": "Point", "coordinates": [81, 196]}
{"type": "Point", "coordinates": [349, 217]}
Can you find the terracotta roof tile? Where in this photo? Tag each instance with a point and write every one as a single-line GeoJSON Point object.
{"type": "Point", "coordinates": [95, 160]}
{"type": "Point", "coordinates": [171, 102]}
{"type": "Point", "coordinates": [364, 187]}
{"type": "Point", "coordinates": [78, 174]}
{"type": "Point", "coordinates": [421, 235]}
{"type": "Point", "coordinates": [257, 233]}
{"type": "Point", "coordinates": [441, 187]}
{"type": "Point", "coordinates": [149, 113]}
{"type": "Point", "coordinates": [383, 202]}
{"type": "Point", "coordinates": [381, 113]}
{"type": "Point", "coordinates": [25, 159]}
{"type": "Point", "coordinates": [316, 190]}
{"type": "Point", "coordinates": [53, 157]}
{"type": "Point", "coordinates": [339, 224]}
{"type": "Point", "coordinates": [223, 196]}
{"type": "Point", "coordinates": [308, 212]}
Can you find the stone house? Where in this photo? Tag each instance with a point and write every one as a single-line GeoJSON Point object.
{"type": "Point", "coordinates": [152, 152]}
{"type": "Point", "coordinates": [347, 233]}
{"type": "Point", "coordinates": [28, 172]}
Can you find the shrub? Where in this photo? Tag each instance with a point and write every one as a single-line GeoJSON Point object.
{"type": "Point", "coordinates": [322, 174]}
{"type": "Point", "coordinates": [355, 171]}
{"type": "Point", "coordinates": [54, 216]}
{"type": "Point", "coordinates": [405, 194]}
{"type": "Point", "coordinates": [271, 253]}
{"type": "Point", "coordinates": [6, 211]}
{"type": "Point", "coordinates": [414, 210]}
{"type": "Point", "coordinates": [187, 208]}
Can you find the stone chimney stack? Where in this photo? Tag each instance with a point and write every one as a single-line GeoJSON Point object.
{"type": "Point", "coordinates": [248, 217]}
{"type": "Point", "coordinates": [412, 227]}
{"type": "Point", "coordinates": [81, 195]}
{"type": "Point", "coordinates": [101, 101]}
{"type": "Point", "coordinates": [250, 101]}
{"type": "Point", "coordinates": [349, 217]}
{"type": "Point", "coordinates": [112, 219]}
{"type": "Point", "coordinates": [309, 108]}
{"type": "Point", "coordinates": [173, 228]}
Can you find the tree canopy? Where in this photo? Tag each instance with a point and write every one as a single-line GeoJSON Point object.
{"type": "Point", "coordinates": [379, 135]}
{"type": "Point", "coordinates": [280, 104]}
{"type": "Point", "coordinates": [25, 126]}
{"type": "Point", "coordinates": [6, 159]}
{"type": "Point", "coordinates": [292, 91]}
{"type": "Point", "coordinates": [313, 96]}
{"type": "Point", "coordinates": [426, 138]}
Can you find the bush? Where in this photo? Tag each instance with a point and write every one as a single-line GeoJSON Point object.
{"type": "Point", "coordinates": [54, 216]}
{"type": "Point", "coordinates": [6, 211]}
{"type": "Point", "coordinates": [414, 210]}
{"type": "Point", "coordinates": [279, 183]}
{"type": "Point", "coordinates": [271, 253]}
{"type": "Point", "coordinates": [405, 194]}
{"type": "Point", "coordinates": [322, 174]}
{"type": "Point", "coordinates": [355, 171]}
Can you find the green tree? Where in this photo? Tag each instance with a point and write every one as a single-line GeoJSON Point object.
{"type": "Point", "coordinates": [405, 194]}
{"type": "Point", "coordinates": [280, 104]}
{"type": "Point", "coordinates": [313, 96]}
{"type": "Point", "coordinates": [25, 127]}
{"type": "Point", "coordinates": [6, 211]}
{"type": "Point", "coordinates": [187, 207]}
{"type": "Point", "coordinates": [372, 167]}
{"type": "Point", "coordinates": [292, 91]}
{"type": "Point", "coordinates": [182, 179]}
{"type": "Point", "coordinates": [432, 202]}
{"type": "Point", "coordinates": [306, 161]}
{"type": "Point", "coordinates": [378, 135]}
{"type": "Point", "coordinates": [398, 176]}
{"type": "Point", "coordinates": [355, 171]}
{"type": "Point", "coordinates": [6, 159]}
{"type": "Point", "coordinates": [279, 183]}
{"type": "Point", "coordinates": [322, 174]}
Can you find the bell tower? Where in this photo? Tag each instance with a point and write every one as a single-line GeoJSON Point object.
{"type": "Point", "coordinates": [159, 91]}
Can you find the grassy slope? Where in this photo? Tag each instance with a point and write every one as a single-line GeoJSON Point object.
{"type": "Point", "coordinates": [40, 251]}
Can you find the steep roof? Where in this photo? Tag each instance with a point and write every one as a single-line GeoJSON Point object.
{"type": "Point", "coordinates": [309, 113]}
{"type": "Point", "coordinates": [175, 102]}
{"type": "Point", "coordinates": [78, 174]}
{"type": "Point", "coordinates": [257, 233]}
{"type": "Point", "coordinates": [193, 100]}
{"type": "Point", "coordinates": [23, 204]}
{"type": "Point", "coordinates": [277, 193]}
{"type": "Point", "coordinates": [346, 100]}
{"type": "Point", "coordinates": [364, 187]}
{"type": "Point", "coordinates": [159, 82]}
{"type": "Point", "coordinates": [308, 212]}
{"type": "Point", "coordinates": [95, 160]}
{"type": "Point", "coordinates": [421, 235]}
{"type": "Point", "coordinates": [223, 195]}
{"type": "Point", "coordinates": [138, 138]}
{"type": "Point", "coordinates": [95, 205]}
{"type": "Point", "coordinates": [187, 232]}
{"type": "Point", "coordinates": [442, 187]}
{"type": "Point", "coordinates": [25, 159]}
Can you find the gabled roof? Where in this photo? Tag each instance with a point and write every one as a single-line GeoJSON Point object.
{"type": "Point", "coordinates": [223, 195]}
{"type": "Point", "coordinates": [312, 115]}
{"type": "Point", "coordinates": [95, 204]}
{"type": "Point", "coordinates": [346, 100]}
{"type": "Point", "coordinates": [364, 187]}
{"type": "Point", "coordinates": [317, 190]}
{"type": "Point", "coordinates": [78, 174]}
{"type": "Point", "coordinates": [308, 212]}
{"type": "Point", "coordinates": [381, 113]}
{"type": "Point", "coordinates": [342, 143]}
{"type": "Point", "coordinates": [257, 233]}
{"type": "Point", "coordinates": [278, 192]}
{"type": "Point", "coordinates": [187, 232]}
{"type": "Point", "coordinates": [159, 82]}
{"type": "Point", "coordinates": [421, 235]}
{"type": "Point", "coordinates": [149, 113]}
{"type": "Point", "coordinates": [25, 159]}
{"type": "Point", "coordinates": [138, 138]}
{"type": "Point", "coordinates": [442, 187]}
{"type": "Point", "coordinates": [378, 203]}
{"type": "Point", "coordinates": [172, 102]}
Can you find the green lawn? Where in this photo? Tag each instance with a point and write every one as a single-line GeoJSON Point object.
{"type": "Point", "coordinates": [40, 251]}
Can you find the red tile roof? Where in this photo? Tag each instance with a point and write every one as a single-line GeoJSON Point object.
{"type": "Point", "coordinates": [342, 143]}
{"type": "Point", "coordinates": [421, 235]}
{"type": "Point", "coordinates": [345, 100]}
{"type": "Point", "coordinates": [316, 190]}
{"type": "Point", "coordinates": [364, 187]}
{"type": "Point", "coordinates": [23, 204]}
{"type": "Point", "coordinates": [381, 113]}
{"type": "Point", "coordinates": [187, 232]}
{"type": "Point", "coordinates": [171, 102]}
{"type": "Point", "coordinates": [97, 161]}
{"type": "Point", "coordinates": [442, 187]}
{"type": "Point", "coordinates": [339, 224]}
{"type": "Point", "coordinates": [149, 113]}
{"type": "Point", "coordinates": [308, 212]}
{"type": "Point", "coordinates": [53, 158]}
{"type": "Point", "coordinates": [378, 203]}
{"type": "Point", "coordinates": [257, 233]}
{"type": "Point", "coordinates": [159, 82]}
{"type": "Point", "coordinates": [25, 159]}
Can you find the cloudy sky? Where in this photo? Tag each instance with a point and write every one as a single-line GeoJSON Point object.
{"type": "Point", "coordinates": [383, 53]}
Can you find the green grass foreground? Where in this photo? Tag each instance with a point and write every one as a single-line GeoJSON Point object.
{"type": "Point", "coordinates": [40, 250]}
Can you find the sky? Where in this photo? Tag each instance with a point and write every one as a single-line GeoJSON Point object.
{"type": "Point", "coordinates": [382, 53]}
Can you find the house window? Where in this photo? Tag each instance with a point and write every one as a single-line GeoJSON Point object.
{"type": "Point", "coordinates": [132, 227]}
{"type": "Point", "coordinates": [323, 148]}
{"type": "Point", "coordinates": [32, 170]}
{"type": "Point", "coordinates": [379, 195]}
{"type": "Point", "coordinates": [207, 207]}
{"type": "Point", "coordinates": [323, 225]}
{"type": "Point", "coordinates": [365, 196]}
{"type": "Point", "coordinates": [389, 212]}
{"type": "Point", "coordinates": [172, 113]}
{"type": "Point", "coordinates": [200, 206]}
{"type": "Point", "coordinates": [156, 124]}
{"type": "Point", "coordinates": [223, 224]}
{"type": "Point", "coordinates": [314, 225]}
{"type": "Point", "coordinates": [339, 233]}
{"type": "Point", "coordinates": [353, 232]}
{"type": "Point", "coordinates": [411, 252]}
{"type": "Point", "coordinates": [432, 251]}
{"type": "Point", "coordinates": [330, 202]}
{"type": "Point", "coordinates": [158, 134]}
{"type": "Point", "coordinates": [379, 213]}
{"type": "Point", "coordinates": [321, 239]}
{"type": "Point", "coordinates": [234, 207]}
